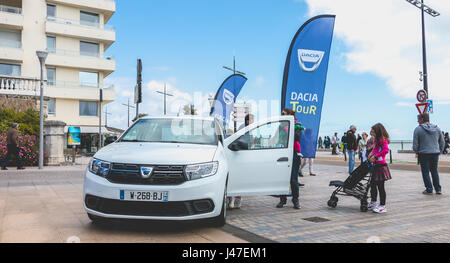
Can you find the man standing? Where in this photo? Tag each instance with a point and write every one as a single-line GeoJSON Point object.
{"type": "Point", "coordinates": [352, 146]}
{"type": "Point", "coordinates": [11, 141]}
{"type": "Point", "coordinates": [428, 143]}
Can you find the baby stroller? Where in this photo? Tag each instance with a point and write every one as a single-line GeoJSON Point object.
{"type": "Point", "coordinates": [356, 185]}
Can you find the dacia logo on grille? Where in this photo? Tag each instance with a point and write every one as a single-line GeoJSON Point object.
{"type": "Point", "coordinates": [146, 171]}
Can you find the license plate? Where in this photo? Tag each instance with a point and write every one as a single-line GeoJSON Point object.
{"type": "Point", "coordinates": [149, 196]}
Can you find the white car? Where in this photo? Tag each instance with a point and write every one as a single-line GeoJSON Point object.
{"type": "Point", "coordinates": [182, 168]}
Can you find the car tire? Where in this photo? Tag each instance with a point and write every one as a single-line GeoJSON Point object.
{"type": "Point", "coordinates": [221, 220]}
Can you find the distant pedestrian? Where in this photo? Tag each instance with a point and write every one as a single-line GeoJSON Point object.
{"type": "Point", "coordinates": [13, 149]}
{"type": "Point", "coordinates": [334, 143]}
{"type": "Point", "coordinates": [310, 165]}
{"type": "Point", "coordinates": [320, 142]}
{"type": "Point", "coordinates": [352, 146]}
{"type": "Point", "coordinates": [362, 145]}
{"type": "Point", "coordinates": [381, 172]}
{"type": "Point", "coordinates": [447, 143]}
{"type": "Point", "coordinates": [428, 143]}
{"type": "Point", "coordinates": [344, 145]}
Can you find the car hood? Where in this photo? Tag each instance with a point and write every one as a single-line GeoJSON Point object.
{"type": "Point", "coordinates": [156, 153]}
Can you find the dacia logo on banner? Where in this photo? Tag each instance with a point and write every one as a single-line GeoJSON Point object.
{"type": "Point", "coordinates": [310, 56]}
{"type": "Point", "coordinates": [228, 97]}
{"type": "Point", "coordinates": [146, 172]}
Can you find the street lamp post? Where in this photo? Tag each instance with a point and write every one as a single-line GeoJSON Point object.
{"type": "Point", "coordinates": [433, 13]}
{"type": "Point", "coordinates": [42, 55]}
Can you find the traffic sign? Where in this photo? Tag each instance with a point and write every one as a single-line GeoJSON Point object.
{"type": "Point", "coordinates": [430, 106]}
{"type": "Point", "coordinates": [422, 107]}
{"type": "Point", "coordinates": [422, 96]}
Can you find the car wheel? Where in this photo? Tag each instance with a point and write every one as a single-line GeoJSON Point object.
{"type": "Point", "coordinates": [220, 221]}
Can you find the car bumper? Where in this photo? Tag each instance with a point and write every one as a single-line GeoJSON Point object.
{"type": "Point", "coordinates": [102, 198]}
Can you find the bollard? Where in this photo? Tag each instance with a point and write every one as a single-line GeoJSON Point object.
{"type": "Point", "coordinates": [390, 156]}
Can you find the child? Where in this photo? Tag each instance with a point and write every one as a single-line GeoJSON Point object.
{"type": "Point", "coordinates": [381, 171]}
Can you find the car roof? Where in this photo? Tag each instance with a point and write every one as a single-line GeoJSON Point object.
{"type": "Point", "coordinates": [183, 117]}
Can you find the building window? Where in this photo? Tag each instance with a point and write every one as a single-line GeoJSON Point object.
{"type": "Point", "coordinates": [51, 76]}
{"type": "Point", "coordinates": [51, 44]}
{"type": "Point", "coordinates": [88, 49]}
{"type": "Point", "coordinates": [88, 108]}
{"type": "Point", "coordinates": [51, 10]}
{"type": "Point", "coordinates": [89, 19]}
{"type": "Point", "coordinates": [9, 69]}
{"type": "Point", "coordinates": [88, 79]}
{"type": "Point", "coordinates": [10, 38]}
{"type": "Point", "coordinates": [51, 106]}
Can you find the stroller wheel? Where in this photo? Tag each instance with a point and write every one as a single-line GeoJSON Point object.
{"type": "Point", "coordinates": [363, 208]}
{"type": "Point", "coordinates": [332, 203]}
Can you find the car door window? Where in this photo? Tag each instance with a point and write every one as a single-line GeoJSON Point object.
{"type": "Point", "coordinates": [272, 135]}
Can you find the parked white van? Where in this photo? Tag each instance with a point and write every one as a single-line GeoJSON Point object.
{"type": "Point", "coordinates": [182, 168]}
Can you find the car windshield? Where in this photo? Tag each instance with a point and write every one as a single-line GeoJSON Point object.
{"type": "Point", "coordinates": [172, 131]}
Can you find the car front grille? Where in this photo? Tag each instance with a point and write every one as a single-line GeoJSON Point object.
{"type": "Point", "coordinates": [161, 174]}
{"type": "Point", "coordinates": [140, 208]}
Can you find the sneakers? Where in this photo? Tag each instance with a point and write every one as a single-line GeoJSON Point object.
{"type": "Point", "coordinates": [281, 204]}
{"type": "Point", "coordinates": [230, 202]}
{"type": "Point", "coordinates": [372, 205]}
{"type": "Point", "coordinates": [4, 168]}
{"type": "Point", "coordinates": [427, 193]}
{"type": "Point", "coordinates": [380, 209]}
{"type": "Point", "coordinates": [20, 168]}
{"type": "Point", "coordinates": [238, 203]}
{"type": "Point", "coordinates": [438, 192]}
{"type": "Point", "coordinates": [311, 174]}
{"type": "Point", "coordinates": [296, 204]}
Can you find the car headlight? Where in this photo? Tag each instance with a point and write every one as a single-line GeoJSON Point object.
{"type": "Point", "coordinates": [197, 171]}
{"type": "Point", "coordinates": [99, 167]}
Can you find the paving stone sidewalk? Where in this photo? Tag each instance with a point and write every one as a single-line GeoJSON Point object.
{"type": "Point", "coordinates": [411, 217]}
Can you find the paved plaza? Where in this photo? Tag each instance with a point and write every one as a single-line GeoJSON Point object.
{"type": "Point", "coordinates": [46, 206]}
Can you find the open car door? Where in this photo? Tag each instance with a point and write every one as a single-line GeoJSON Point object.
{"type": "Point", "coordinates": [260, 158]}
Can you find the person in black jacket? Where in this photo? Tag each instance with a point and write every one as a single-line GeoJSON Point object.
{"type": "Point", "coordinates": [352, 146]}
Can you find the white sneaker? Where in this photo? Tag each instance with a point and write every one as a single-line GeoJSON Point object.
{"type": "Point", "coordinates": [372, 205]}
{"type": "Point", "coordinates": [231, 204]}
{"type": "Point", "coordinates": [380, 209]}
{"type": "Point", "coordinates": [238, 202]}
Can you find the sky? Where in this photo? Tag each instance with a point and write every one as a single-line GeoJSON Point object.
{"type": "Point", "coordinates": [373, 72]}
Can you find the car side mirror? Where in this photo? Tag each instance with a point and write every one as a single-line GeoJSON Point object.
{"type": "Point", "coordinates": [238, 145]}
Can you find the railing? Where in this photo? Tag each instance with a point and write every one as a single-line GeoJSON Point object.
{"type": "Point", "coordinates": [19, 86]}
{"type": "Point", "coordinates": [72, 84]}
{"type": "Point", "coordinates": [75, 53]}
{"type": "Point", "coordinates": [9, 43]}
{"type": "Point", "coordinates": [10, 9]}
{"type": "Point", "coordinates": [79, 23]}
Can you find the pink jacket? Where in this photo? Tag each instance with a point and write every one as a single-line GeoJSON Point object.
{"type": "Point", "coordinates": [380, 152]}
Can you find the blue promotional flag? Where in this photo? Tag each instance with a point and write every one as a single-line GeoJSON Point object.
{"type": "Point", "coordinates": [305, 75]}
{"type": "Point", "coordinates": [226, 96]}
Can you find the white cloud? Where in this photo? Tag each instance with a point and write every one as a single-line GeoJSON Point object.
{"type": "Point", "coordinates": [384, 38]}
{"type": "Point", "coordinates": [153, 102]}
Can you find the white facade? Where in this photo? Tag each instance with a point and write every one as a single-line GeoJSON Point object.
{"type": "Point", "coordinates": [76, 35]}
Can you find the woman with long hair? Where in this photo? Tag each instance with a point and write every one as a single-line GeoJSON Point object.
{"type": "Point", "coordinates": [381, 172]}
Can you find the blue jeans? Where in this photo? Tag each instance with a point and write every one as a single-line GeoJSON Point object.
{"type": "Point", "coordinates": [351, 161]}
{"type": "Point", "coordinates": [429, 163]}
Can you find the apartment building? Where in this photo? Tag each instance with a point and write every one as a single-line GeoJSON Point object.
{"type": "Point", "coordinates": [76, 35]}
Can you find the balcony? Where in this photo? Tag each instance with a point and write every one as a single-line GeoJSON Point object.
{"type": "Point", "coordinates": [74, 91]}
{"type": "Point", "coordinates": [11, 51]}
{"type": "Point", "coordinates": [19, 86]}
{"type": "Point", "coordinates": [81, 29]}
{"type": "Point", "coordinates": [75, 59]}
{"type": "Point", "coordinates": [106, 7]}
{"type": "Point", "coordinates": [11, 17]}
